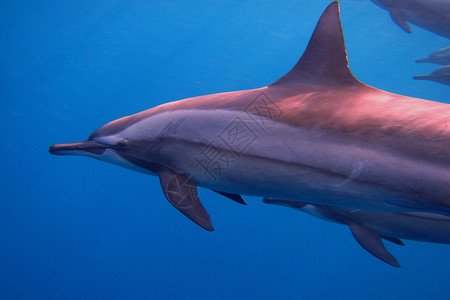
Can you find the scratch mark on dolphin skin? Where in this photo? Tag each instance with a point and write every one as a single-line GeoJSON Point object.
{"type": "Point", "coordinates": [357, 170]}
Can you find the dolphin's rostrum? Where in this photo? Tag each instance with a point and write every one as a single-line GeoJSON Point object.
{"type": "Point", "coordinates": [441, 57]}
{"type": "Point", "coordinates": [317, 133]}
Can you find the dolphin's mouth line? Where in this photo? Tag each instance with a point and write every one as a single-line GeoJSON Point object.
{"type": "Point", "coordinates": [78, 148]}
{"type": "Point", "coordinates": [153, 167]}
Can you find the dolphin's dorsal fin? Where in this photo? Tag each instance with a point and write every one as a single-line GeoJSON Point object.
{"type": "Point", "coordinates": [324, 61]}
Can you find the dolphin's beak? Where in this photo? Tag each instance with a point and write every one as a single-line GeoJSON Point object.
{"type": "Point", "coordinates": [80, 148]}
{"type": "Point", "coordinates": [289, 203]}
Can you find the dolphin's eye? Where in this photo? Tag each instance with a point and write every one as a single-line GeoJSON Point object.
{"type": "Point", "coordinates": [122, 144]}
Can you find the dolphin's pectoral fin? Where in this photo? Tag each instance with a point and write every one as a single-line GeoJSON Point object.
{"type": "Point", "coordinates": [370, 240]}
{"type": "Point", "coordinates": [399, 17]}
{"type": "Point", "coordinates": [393, 240]}
{"type": "Point", "coordinates": [182, 194]}
{"type": "Point", "coordinates": [234, 197]}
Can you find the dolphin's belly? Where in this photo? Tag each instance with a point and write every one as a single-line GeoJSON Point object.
{"type": "Point", "coordinates": [220, 169]}
{"type": "Point", "coordinates": [238, 152]}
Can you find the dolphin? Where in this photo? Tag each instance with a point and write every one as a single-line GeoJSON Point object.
{"type": "Point", "coordinates": [317, 132]}
{"type": "Point", "coordinates": [369, 227]}
{"type": "Point", "coordinates": [441, 75]}
{"type": "Point", "coordinates": [432, 15]}
{"type": "Point", "coordinates": [441, 57]}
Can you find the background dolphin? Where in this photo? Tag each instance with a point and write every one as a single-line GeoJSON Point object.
{"type": "Point", "coordinates": [432, 15]}
{"type": "Point", "coordinates": [369, 227]}
{"type": "Point", "coordinates": [441, 57]}
{"type": "Point", "coordinates": [441, 75]}
{"type": "Point", "coordinates": [317, 132]}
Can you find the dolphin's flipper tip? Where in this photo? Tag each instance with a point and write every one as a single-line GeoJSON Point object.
{"type": "Point", "coordinates": [234, 197]}
{"type": "Point", "coordinates": [182, 194]}
{"type": "Point", "coordinates": [399, 17]}
{"type": "Point", "coordinates": [394, 240]}
{"type": "Point", "coordinates": [370, 240]}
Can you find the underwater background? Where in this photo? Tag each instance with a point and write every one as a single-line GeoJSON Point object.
{"type": "Point", "coordinates": [77, 228]}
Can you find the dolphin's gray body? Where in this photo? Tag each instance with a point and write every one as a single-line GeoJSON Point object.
{"type": "Point", "coordinates": [317, 133]}
{"type": "Point", "coordinates": [441, 57]}
{"type": "Point", "coordinates": [432, 15]}
{"type": "Point", "coordinates": [368, 227]}
{"type": "Point", "coordinates": [441, 75]}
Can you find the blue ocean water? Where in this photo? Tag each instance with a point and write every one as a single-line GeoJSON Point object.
{"type": "Point", "coordinates": [77, 228]}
